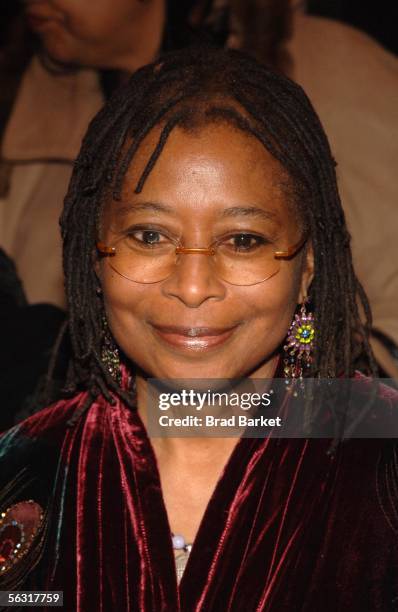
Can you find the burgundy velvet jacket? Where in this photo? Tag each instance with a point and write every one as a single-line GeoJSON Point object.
{"type": "Point", "coordinates": [287, 528]}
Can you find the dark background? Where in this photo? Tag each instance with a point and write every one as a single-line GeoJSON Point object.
{"type": "Point", "coordinates": [378, 18]}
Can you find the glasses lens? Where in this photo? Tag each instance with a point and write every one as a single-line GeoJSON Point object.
{"type": "Point", "coordinates": [242, 259]}
{"type": "Point", "coordinates": [143, 263]}
{"type": "Point", "coordinates": [246, 260]}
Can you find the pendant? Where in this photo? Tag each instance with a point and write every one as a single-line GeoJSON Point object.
{"type": "Point", "coordinates": [181, 559]}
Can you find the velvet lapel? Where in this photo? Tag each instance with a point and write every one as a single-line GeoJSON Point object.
{"type": "Point", "coordinates": [265, 504]}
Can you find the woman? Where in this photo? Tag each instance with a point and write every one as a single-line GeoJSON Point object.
{"type": "Point", "coordinates": [202, 211]}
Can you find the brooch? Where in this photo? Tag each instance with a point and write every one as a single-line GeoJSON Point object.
{"type": "Point", "coordinates": [19, 525]}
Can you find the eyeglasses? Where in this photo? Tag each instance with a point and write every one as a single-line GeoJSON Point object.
{"type": "Point", "coordinates": [150, 256]}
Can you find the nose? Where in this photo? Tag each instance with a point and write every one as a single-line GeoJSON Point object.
{"type": "Point", "coordinates": [194, 281]}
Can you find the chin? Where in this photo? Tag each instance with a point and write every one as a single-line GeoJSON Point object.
{"type": "Point", "coordinates": [60, 54]}
{"type": "Point", "coordinates": [170, 371]}
{"type": "Point", "coordinates": [189, 370]}
{"type": "Point", "coordinates": [208, 370]}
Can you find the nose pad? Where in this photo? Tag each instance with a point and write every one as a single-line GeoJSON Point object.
{"type": "Point", "coordinates": [196, 266]}
{"type": "Point", "coordinates": [194, 280]}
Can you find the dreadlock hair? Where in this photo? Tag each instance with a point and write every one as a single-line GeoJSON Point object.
{"type": "Point", "coordinates": [190, 89]}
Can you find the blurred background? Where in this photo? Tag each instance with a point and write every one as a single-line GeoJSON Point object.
{"type": "Point", "coordinates": [378, 19]}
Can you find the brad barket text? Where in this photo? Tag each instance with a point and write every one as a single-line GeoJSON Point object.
{"type": "Point", "coordinates": [240, 420]}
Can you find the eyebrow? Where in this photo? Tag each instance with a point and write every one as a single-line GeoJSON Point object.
{"type": "Point", "coordinates": [150, 206]}
{"type": "Point", "coordinates": [249, 211]}
{"type": "Point", "coordinates": [231, 211]}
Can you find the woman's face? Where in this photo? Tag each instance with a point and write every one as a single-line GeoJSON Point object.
{"type": "Point", "coordinates": [123, 34]}
{"type": "Point", "coordinates": [195, 180]}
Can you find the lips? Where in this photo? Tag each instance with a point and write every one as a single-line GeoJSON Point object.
{"type": "Point", "coordinates": [38, 19]}
{"type": "Point", "coordinates": [38, 23]}
{"type": "Point", "coordinates": [192, 331]}
{"type": "Point", "coordinates": [193, 338]}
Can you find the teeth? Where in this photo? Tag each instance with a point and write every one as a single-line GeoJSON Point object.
{"type": "Point", "coordinates": [193, 332]}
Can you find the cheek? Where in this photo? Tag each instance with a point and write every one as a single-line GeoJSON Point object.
{"type": "Point", "coordinates": [101, 25]}
{"type": "Point", "coordinates": [80, 20]}
{"type": "Point", "coordinates": [272, 305]}
{"type": "Point", "coordinates": [125, 304]}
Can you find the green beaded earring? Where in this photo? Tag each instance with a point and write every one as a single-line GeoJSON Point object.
{"type": "Point", "coordinates": [299, 344]}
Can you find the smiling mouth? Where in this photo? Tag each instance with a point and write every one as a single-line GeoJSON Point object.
{"type": "Point", "coordinates": [193, 338]}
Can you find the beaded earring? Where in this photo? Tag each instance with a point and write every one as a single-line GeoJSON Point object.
{"type": "Point", "coordinates": [299, 344]}
{"type": "Point", "coordinates": [110, 354]}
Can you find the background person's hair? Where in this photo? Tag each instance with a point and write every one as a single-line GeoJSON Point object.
{"type": "Point", "coordinates": [191, 89]}
{"type": "Point", "coordinates": [262, 28]}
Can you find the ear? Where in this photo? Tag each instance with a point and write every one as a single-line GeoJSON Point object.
{"type": "Point", "coordinates": [307, 273]}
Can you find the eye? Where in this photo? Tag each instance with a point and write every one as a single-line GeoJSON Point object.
{"type": "Point", "coordinates": [245, 243]}
{"type": "Point", "coordinates": [146, 237]}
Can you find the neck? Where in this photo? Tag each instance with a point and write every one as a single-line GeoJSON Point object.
{"type": "Point", "coordinates": [199, 447]}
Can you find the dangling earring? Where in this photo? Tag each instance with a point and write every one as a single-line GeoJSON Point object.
{"type": "Point", "coordinates": [110, 354]}
{"type": "Point", "coordinates": [299, 344]}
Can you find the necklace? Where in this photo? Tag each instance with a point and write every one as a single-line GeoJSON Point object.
{"type": "Point", "coordinates": [182, 550]}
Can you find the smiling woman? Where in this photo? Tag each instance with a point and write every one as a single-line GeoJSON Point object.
{"type": "Point", "coordinates": [223, 190]}
{"type": "Point", "coordinates": [201, 224]}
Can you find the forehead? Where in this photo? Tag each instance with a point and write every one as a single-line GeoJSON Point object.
{"type": "Point", "coordinates": [215, 145]}
{"type": "Point", "coordinates": [210, 167]}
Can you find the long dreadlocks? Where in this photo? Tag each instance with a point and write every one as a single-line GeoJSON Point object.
{"type": "Point", "coordinates": [201, 86]}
